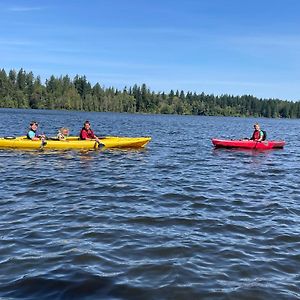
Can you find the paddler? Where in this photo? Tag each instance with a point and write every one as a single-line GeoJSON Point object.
{"type": "Point", "coordinates": [87, 133]}
{"type": "Point", "coordinates": [32, 134]}
{"type": "Point", "coordinates": [258, 135]}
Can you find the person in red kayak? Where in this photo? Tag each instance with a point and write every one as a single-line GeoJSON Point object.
{"type": "Point", "coordinates": [258, 134]}
{"type": "Point", "coordinates": [87, 133]}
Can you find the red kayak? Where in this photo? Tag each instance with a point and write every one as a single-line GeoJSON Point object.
{"type": "Point", "coordinates": [248, 144]}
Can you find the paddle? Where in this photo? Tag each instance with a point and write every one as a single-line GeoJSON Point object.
{"type": "Point", "coordinates": [98, 145]}
{"type": "Point", "coordinates": [43, 143]}
{"type": "Point", "coordinates": [256, 144]}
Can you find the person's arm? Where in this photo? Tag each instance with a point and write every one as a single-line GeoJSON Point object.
{"type": "Point", "coordinates": [261, 135]}
{"type": "Point", "coordinates": [94, 136]}
{"type": "Point", "coordinates": [31, 135]}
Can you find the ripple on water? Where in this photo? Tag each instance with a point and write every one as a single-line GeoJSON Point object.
{"type": "Point", "coordinates": [180, 220]}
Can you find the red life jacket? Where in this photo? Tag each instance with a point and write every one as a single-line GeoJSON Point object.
{"type": "Point", "coordinates": [86, 134]}
{"type": "Point", "coordinates": [256, 135]}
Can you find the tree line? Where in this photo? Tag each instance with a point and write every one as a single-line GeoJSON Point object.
{"type": "Point", "coordinates": [21, 89]}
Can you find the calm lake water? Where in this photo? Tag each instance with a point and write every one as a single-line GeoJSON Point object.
{"type": "Point", "coordinates": [177, 220]}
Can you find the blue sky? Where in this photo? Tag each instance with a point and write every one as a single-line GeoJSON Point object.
{"type": "Point", "coordinates": [212, 46]}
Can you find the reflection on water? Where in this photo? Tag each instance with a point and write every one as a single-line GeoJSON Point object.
{"type": "Point", "coordinates": [176, 220]}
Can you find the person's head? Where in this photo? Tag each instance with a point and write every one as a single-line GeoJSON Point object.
{"type": "Point", "coordinates": [87, 124]}
{"type": "Point", "coordinates": [34, 125]}
{"type": "Point", "coordinates": [256, 126]}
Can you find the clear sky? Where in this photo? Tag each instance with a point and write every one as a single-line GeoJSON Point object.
{"type": "Point", "coordinates": [213, 46]}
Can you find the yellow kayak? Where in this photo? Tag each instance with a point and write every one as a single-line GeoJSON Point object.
{"type": "Point", "coordinates": [22, 142]}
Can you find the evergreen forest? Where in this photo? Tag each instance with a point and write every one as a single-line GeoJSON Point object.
{"type": "Point", "coordinates": [21, 89]}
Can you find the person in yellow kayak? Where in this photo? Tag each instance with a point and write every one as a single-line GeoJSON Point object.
{"type": "Point", "coordinates": [258, 134]}
{"type": "Point", "coordinates": [87, 133]}
{"type": "Point", "coordinates": [32, 133]}
{"type": "Point", "coordinates": [63, 133]}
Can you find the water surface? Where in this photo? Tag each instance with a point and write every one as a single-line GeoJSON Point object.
{"type": "Point", "coordinates": [177, 220]}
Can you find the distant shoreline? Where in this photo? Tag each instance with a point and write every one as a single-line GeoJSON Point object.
{"type": "Point", "coordinates": [21, 89]}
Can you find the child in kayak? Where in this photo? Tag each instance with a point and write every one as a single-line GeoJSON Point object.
{"type": "Point", "coordinates": [32, 134]}
{"type": "Point", "coordinates": [87, 133]}
{"type": "Point", "coordinates": [63, 133]}
{"type": "Point", "coordinates": [258, 135]}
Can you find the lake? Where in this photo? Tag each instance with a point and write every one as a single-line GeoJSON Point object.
{"type": "Point", "coordinates": [176, 220]}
